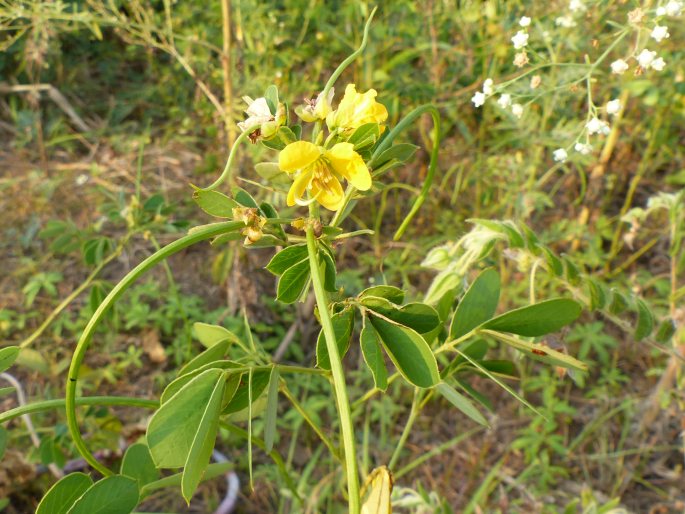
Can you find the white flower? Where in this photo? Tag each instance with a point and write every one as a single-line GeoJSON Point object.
{"type": "Point", "coordinates": [524, 21]}
{"type": "Point", "coordinates": [478, 99]}
{"type": "Point", "coordinates": [658, 64]}
{"type": "Point", "coordinates": [487, 87]}
{"type": "Point", "coordinates": [583, 148]}
{"type": "Point", "coordinates": [258, 112]}
{"type": "Point", "coordinates": [560, 155]}
{"type": "Point", "coordinates": [661, 11]}
{"type": "Point", "coordinates": [576, 6]}
{"type": "Point", "coordinates": [520, 39]}
{"type": "Point", "coordinates": [645, 58]}
{"type": "Point", "coordinates": [614, 106]}
{"type": "Point", "coordinates": [504, 101]}
{"type": "Point", "coordinates": [81, 179]}
{"type": "Point", "coordinates": [660, 32]}
{"type": "Point", "coordinates": [517, 110]}
{"type": "Point", "coordinates": [597, 126]}
{"type": "Point", "coordinates": [565, 21]}
{"type": "Point", "coordinates": [619, 67]}
{"type": "Point", "coordinates": [674, 7]}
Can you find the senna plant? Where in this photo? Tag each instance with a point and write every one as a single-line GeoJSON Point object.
{"type": "Point", "coordinates": [332, 156]}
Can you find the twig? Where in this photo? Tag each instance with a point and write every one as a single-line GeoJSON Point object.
{"type": "Point", "coordinates": [54, 95]}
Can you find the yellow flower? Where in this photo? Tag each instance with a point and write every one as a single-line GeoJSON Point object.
{"type": "Point", "coordinates": [318, 169]}
{"type": "Point", "coordinates": [356, 109]}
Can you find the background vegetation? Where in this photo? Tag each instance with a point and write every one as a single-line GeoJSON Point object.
{"type": "Point", "coordinates": [109, 109]}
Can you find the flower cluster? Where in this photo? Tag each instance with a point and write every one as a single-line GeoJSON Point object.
{"type": "Point", "coordinates": [319, 167]}
{"type": "Point", "coordinates": [504, 101]}
{"type": "Point", "coordinates": [520, 42]}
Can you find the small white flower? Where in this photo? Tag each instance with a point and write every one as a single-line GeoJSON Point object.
{"type": "Point", "coordinates": [504, 101]}
{"type": "Point", "coordinates": [645, 58]}
{"type": "Point", "coordinates": [81, 179]}
{"type": "Point", "coordinates": [258, 112]}
{"type": "Point", "coordinates": [565, 21]}
{"type": "Point", "coordinates": [487, 87]}
{"type": "Point", "coordinates": [619, 67]}
{"type": "Point", "coordinates": [576, 6]}
{"type": "Point", "coordinates": [674, 7]}
{"type": "Point", "coordinates": [517, 110]}
{"type": "Point", "coordinates": [597, 126]}
{"type": "Point", "coordinates": [613, 107]}
{"type": "Point", "coordinates": [583, 149]}
{"type": "Point", "coordinates": [560, 155]}
{"type": "Point", "coordinates": [478, 99]}
{"type": "Point", "coordinates": [520, 39]}
{"type": "Point", "coordinates": [658, 64]}
{"type": "Point", "coordinates": [661, 11]}
{"type": "Point", "coordinates": [524, 21]}
{"type": "Point", "coordinates": [660, 32]}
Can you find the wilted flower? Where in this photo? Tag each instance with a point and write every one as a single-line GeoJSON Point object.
{"type": "Point", "coordinates": [619, 67]}
{"type": "Point", "coordinates": [517, 110]}
{"type": "Point", "coordinates": [521, 59]}
{"type": "Point", "coordinates": [316, 109]}
{"type": "Point", "coordinates": [583, 148]}
{"type": "Point", "coordinates": [520, 39]}
{"type": "Point", "coordinates": [356, 109]}
{"type": "Point", "coordinates": [614, 106]}
{"type": "Point", "coordinates": [318, 170]}
{"type": "Point", "coordinates": [560, 155]}
{"type": "Point", "coordinates": [659, 33]}
{"type": "Point", "coordinates": [597, 126]}
{"type": "Point", "coordinates": [261, 117]}
{"type": "Point", "coordinates": [478, 99]}
{"type": "Point", "coordinates": [254, 223]}
{"type": "Point", "coordinates": [524, 21]}
{"type": "Point", "coordinates": [504, 100]}
{"type": "Point", "coordinates": [636, 16]}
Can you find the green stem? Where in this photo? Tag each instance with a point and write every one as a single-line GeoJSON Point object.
{"type": "Point", "coordinates": [226, 174]}
{"type": "Point", "coordinates": [406, 122]}
{"type": "Point", "coordinates": [350, 59]}
{"type": "Point", "coordinates": [413, 413]}
{"type": "Point", "coordinates": [82, 345]}
{"type": "Point", "coordinates": [312, 424]}
{"type": "Point", "coordinates": [88, 400]}
{"type": "Point", "coordinates": [338, 376]}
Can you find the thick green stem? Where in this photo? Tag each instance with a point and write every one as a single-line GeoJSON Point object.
{"type": "Point", "coordinates": [82, 345]}
{"type": "Point", "coordinates": [338, 376]}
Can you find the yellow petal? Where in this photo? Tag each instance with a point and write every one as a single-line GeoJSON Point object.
{"type": "Point", "coordinates": [377, 491]}
{"type": "Point", "coordinates": [350, 165]}
{"type": "Point", "coordinates": [299, 186]}
{"type": "Point", "coordinates": [297, 156]}
{"type": "Point", "coordinates": [331, 196]}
